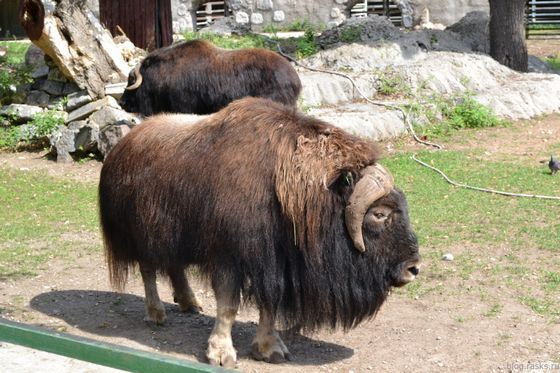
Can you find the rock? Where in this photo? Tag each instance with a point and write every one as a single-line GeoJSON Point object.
{"type": "Point", "coordinates": [226, 26]}
{"type": "Point", "coordinates": [78, 99]}
{"type": "Point", "coordinates": [110, 116]}
{"type": "Point", "coordinates": [69, 88]}
{"type": "Point", "coordinates": [110, 136]}
{"type": "Point", "coordinates": [40, 72]}
{"type": "Point", "coordinates": [56, 103]}
{"type": "Point", "coordinates": [77, 136]}
{"type": "Point", "coordinates": [88, 109]}
{"type": "Point", "coordinates": [241, 17]}
{"type": "Point", "coordinates": [319, 91]}
{"type": "Point", "coordinates": [365, 120]}
{"type": "Point", "coordinates": [19, 112]}
{"type": "Point", "coordinates": [278, 16]}
{"type": "Point", "coordinates": [264, 4]}
{"type": "Point", "coordinates": [56, 75]}
{"type": "Point", "coordinates": [52, 87]}
{"type": "Point", "coordinates": [116, 90]}
{"type": "Point", "coordinates": [447, 257]}
{"type": "Point", "coordinates": [473, 29]}
{"type": "Point", "coordinates": [34, 56]}
{"type": "Point", "coordinates": [371, 28]}
{"type": "Point", "coordinates": [38, 98]}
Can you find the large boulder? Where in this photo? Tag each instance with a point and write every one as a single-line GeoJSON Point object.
{"type": "Point", "coordinates": [20, 113]}
{"type": "Point", "coordinates": [77, 136]}
{"type": "Point", "coordinates": [473, 29]}
{"type": "Point", "coordinates": [110, 136]}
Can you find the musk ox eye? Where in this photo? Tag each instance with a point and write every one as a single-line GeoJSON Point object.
{"type": "Point", "coordinates": [379, 215]}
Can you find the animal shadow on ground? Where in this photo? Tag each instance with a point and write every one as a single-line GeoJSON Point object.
{"type": "Point", "coordinates": [119, 315]}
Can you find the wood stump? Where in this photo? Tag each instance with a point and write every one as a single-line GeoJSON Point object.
{"type": "Point", "coordinates": [77, 42]}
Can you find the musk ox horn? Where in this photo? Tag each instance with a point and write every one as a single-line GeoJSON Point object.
{"type": "Point", "coordinates": [375, 183]}
{"type": "Point", "coordinates": [137, 78]}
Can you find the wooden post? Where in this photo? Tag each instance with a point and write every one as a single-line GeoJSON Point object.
{"type": "Point", "coordinates": [80, 47]}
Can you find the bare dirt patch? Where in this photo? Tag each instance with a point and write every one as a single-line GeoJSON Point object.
{"type": "Point", "coordinates": [452, 323]}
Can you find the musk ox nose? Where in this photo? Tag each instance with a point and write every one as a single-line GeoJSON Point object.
{"type": "Point", "coordinates": [408, 273]}
{"type": "Point", "coordinates": [414, 270]}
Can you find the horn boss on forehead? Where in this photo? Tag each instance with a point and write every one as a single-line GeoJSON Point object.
{"type": "Point", "coordinates": [375, 183]}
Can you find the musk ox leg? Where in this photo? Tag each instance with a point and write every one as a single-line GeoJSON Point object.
{"type": "Point", "coordinates": [182, 292]}
{"type": "Point", "coordinates": [220, 346]}
{"type": "Point", "coordinates": [267, 345]}
{"type": "Point", "coordinates": [155, 312]}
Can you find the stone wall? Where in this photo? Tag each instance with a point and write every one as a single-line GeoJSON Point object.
{"type": "Point", "coordinates": [446, 12]}
{"type": "Point", "coordinates": [280, 13]}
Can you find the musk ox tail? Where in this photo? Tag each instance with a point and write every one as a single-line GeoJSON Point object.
{"type": "Point", "coordinates": [116, 244]}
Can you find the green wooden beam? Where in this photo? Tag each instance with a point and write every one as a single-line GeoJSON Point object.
{"type": "Point", "coordinates": [96, 352]}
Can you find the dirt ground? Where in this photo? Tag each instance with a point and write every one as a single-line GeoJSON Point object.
{"type": "Point", "coordinates": [440, 331]}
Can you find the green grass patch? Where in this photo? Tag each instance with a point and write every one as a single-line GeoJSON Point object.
{"type": "Point", "coordinates": [554, 62]}
{"type": "Point", "coordinates": [446, 215]}
{"type": "Point", "coordinates": [494, 311]}
{"type": "Point", "coordinates": [32, 134]}
{"type": "Point", "coordinates": [447, 115]}
{"type": "Point", "coordinates": [300, 47]}
{"type": "Point", "coordinates": [13, 72]}
{"type": "Point", "coordinates": [228, 42]}
{"type": "Point", "coordinates": [36, 211]}
{"type": "Point", "coordinates": [15, 51]}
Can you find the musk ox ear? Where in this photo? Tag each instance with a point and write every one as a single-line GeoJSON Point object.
{"type": "Point", "coordinates": [343, 183]}
{"type": "Point", "coordinates": [375, 182]}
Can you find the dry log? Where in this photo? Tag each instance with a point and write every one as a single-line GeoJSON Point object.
{"type": "Point", "coordinates": [77, 42]}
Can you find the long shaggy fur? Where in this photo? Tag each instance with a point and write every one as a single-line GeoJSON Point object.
{"type": "Point", "coordinates": [197, 77]}
{"type": "Point", "coordinates": [256, 192]}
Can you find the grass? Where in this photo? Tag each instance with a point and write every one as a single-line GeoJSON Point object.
{"type": "Point", "coordinates": [504, 248]}
{"type": "Point", "coordinates": [554, 62]}
{"type": "Point", "coordinates": [36, 212]}
{"type": "Point", "coordinates": [301, 47]}
{"type": "Point", "coordinates": [33, 133]}
{"type": "Point", "coordinates": [13, 71]}
{"type": "Point", "coordinates": [473, 224]}
{"type": "Point", "coordinates": [16, 51]}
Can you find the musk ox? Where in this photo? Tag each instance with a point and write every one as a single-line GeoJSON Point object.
{"type": "Point", "coordinates": [197, 77]}
{"type": "Point", "coordinates": [291, 212]}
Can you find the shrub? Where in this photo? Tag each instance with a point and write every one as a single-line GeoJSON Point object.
{"type": "Point", "coordinates": [351, 34]}
{"type": "Point", "coordinates": [31, 134]}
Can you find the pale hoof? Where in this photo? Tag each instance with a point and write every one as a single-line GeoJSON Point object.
{"type": "Point", "coordinates": [155, 314]}
{"type": "Point", "coordinates": [188, 306]}
{"type": "Point", "coordinates": [221, 354]}
{"type": "Point", "coordinates": [270, 350]}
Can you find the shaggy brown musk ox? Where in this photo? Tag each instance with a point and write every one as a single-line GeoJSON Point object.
{"type": "Point", "coordinates": [197, 77]}
{"type": "Point", "coordinates": [290, 211]}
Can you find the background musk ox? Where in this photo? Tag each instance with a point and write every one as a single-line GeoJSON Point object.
{"type": "Point", "coordinates": [290, 211]}
{"type": "Point", "coordinates": [197, 77]}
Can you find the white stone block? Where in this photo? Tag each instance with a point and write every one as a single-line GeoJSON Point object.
{"type": "Point", "coordinates": [256, 18]}
{"type": "Point", "coordinates": [241, 17]}
{"type": "Point", "coordinates": [278, 16]}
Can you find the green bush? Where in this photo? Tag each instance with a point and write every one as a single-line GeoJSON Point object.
{"type": "Point", "coordinates": [31, 134]}
{"type": "Point", "coordinates": [13, 72]}
{"type": "Point", "coordinates": [306, 46]}
{"type": "Point", "coordinates": [391, 82]}
{"type": "Point", "coordinates": [351, 34]}
{"type": "Point", "coordinates": [448, 114]}
{"type": "Point", "coordinates": [228, 42]}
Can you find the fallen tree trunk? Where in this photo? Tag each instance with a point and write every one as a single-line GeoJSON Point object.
{"type": "Point", "coordinates": [80, 47]}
